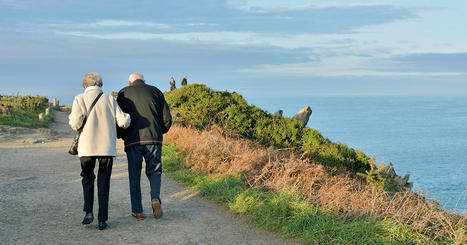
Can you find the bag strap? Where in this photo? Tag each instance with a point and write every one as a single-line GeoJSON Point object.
{"type": "Point", "coordinates": [90, 109]}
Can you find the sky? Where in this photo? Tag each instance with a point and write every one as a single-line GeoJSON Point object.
{"type": "Point", "coordinates": [255, 47]}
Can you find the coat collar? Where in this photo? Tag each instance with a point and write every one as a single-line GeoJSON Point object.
{"type": "Point", "coordinates": [92, 88]}
{"type": "Point", "coordinates": [138, 82]}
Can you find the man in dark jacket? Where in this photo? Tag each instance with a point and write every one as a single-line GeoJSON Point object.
{"type": "Point", "coordinates": [150, 118]}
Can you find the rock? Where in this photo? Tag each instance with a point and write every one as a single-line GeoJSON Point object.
{"type": "Point", "coordinates": [46, 131]}
{"type": "Point", "coordinates": [303, 115]}
{"type": "Point", "coordinates": [278, 113]}
{"type": "Point", "coordinates": [56, 103]}
{"type": "Point", "coordinates": [41, 117]}
{"type": "Point", "coordinates": [405, 182]}
{"type": "Point", "coordinates": [33, 141]}
{"type": "Point", "coordinates": [405, 179]}
{"type": "Point", "coordinates": [388, 172]}
{"type": "Point", "coordinates": [409, 185]}
{"type": "Point", "coordinates": [398, 180]}
{"type": "Point", "coordinates": [16, 130]}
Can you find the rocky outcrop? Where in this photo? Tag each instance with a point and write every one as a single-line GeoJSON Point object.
{"type": "Point", "coordinates": [278, 113]}
{"type": "Point", "coordinates": [303, 115]}
{"type": "Point", "coordinates": [388, 172]}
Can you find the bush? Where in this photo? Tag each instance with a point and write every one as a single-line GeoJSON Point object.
{"type": "Point", "coordinates": [23, 110]}
{"type": "Point", "coordinates": [203, 108]}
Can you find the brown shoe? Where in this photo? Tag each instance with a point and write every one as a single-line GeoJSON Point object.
{"type": "Point", "coordinates": [156, 208]}
{"type": "Point", "coordinates": [138, 216]}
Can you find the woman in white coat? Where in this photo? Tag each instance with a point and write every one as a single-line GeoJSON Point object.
{"type": "Point", "coordinates": [97, 142]}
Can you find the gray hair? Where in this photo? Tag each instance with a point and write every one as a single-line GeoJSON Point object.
{"type": "Point", "coordinates": [92, 79]}
{"type": "Point", "coordinates": [135, 76]}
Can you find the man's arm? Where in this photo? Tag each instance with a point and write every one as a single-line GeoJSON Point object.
{"type": "Point", "coordinates": [166, 116]}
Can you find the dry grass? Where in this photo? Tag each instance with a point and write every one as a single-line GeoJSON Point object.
{"type": "Point", "coordinates": [272, 169]}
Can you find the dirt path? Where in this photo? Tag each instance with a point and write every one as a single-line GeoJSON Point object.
{"type": "Point", "coordinates": [41, 201]}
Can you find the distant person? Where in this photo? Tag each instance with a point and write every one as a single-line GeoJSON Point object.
{"type": "Point", "coordinates": [172, 84]}
{"type": "Point", "coordinates": [151, 118]}
{"type": "Point", "coordinates": [96, 142]}
{"type": "Point", "coordinates": [184, 81]}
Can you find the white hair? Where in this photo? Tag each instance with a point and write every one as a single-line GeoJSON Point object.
{"type": "Point", "coordinates": [135, 76]}
{"type": "Point", "coordinates": [92, 79]}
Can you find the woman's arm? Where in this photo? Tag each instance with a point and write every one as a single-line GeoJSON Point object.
{"type": "Point", "coordinates": [76, 116]}
{"type": "Point", "coordinates": [123, 119]}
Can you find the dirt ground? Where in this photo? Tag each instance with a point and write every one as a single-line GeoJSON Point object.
{"type": "Point", "coordinates": [41, 200]}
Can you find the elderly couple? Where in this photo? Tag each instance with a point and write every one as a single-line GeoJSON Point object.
{"type": "Point", "coordinates": [140, 116]}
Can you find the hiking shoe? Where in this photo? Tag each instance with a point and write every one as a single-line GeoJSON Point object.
{"type": "Point", "coordinates": [156, 208]}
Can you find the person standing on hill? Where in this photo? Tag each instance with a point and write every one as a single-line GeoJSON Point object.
{"type": "Point", "coordinates": [97, 142]}
{"type": "Point", "coordinates": [184, 81]}
{"type": "Point", "coordinates": [172, 84]}
{"type": "Point", "coordinates": [151, 119]}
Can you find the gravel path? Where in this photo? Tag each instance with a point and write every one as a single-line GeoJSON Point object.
{"type": "Point", "coordinates": [41, 202]}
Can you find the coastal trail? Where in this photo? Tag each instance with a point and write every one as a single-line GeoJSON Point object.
{"type": "Point", "coordinates": [41, 200]}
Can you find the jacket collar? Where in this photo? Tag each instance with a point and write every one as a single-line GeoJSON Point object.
{"type": "Point", "coordinates": [91, 88]}
{"type": "Point", "coordinates": [138, 82]}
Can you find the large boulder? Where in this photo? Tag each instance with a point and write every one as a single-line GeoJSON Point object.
{"type": "Point", "coordinates": [303, 115]}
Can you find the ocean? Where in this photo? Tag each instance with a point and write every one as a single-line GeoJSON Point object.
{"type": "Point", "coordinates": [425, 136]}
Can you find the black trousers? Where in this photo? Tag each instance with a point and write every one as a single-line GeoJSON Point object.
{"type": "Point", "coordinates": [103, 183]}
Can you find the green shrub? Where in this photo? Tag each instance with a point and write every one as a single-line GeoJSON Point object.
{"type": "Point", "coordinates": [23, 110]}
{"type": "Point", "coordinates": [201, 107]}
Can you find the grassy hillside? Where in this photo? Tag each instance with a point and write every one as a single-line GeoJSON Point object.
{"type": "Point", "coordinates": [23, 110]}
{"type": "Point", "coordinates": [201, 107]}
{"type": "Point", "coordinates": [288, 178]}
{"type": "Point", "coordinates": [286, 211]}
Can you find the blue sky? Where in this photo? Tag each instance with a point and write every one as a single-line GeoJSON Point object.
{"type": "Point", "coordinates": [258, 48]}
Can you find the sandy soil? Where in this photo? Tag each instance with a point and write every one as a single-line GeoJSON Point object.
{"type": "Point", "coordinates": [41, 200]}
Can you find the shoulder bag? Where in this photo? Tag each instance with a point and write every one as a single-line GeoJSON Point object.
{"type": "Point", "coordinates": [74, 145]}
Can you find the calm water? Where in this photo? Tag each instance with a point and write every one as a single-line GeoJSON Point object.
{"type": "Point", "coordinates": [423, 136]}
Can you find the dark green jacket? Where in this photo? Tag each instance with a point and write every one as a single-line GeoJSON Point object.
{"type": "Point", "coordinates": [150, 114]}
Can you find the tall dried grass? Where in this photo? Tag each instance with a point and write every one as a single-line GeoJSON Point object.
{"type": "Point", "coordinates": [273, 169]}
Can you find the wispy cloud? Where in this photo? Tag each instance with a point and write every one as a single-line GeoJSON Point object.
{"type": "Point", "coordinates": [356, 67]}
{"type": "Point", "coordinates": [14, 4]}
{"type": "Point", "coordinates": [213, 16]}
{"type": "Point", "coordinates": [124, 23]}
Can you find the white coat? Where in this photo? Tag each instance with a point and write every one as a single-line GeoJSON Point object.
{"type": "Point", "coordinates": [99, 134]}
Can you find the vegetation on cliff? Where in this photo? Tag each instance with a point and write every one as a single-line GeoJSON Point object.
{"type": "Point", "coordinates": [201, 107]}
{"type": "Point", "coordinates": [297, 176]}
{"type": "Point", "coordinates": [285, 211]}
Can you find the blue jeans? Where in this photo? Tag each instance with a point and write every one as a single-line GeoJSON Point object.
{"type": "Point", "coordinates": [152, 157]}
